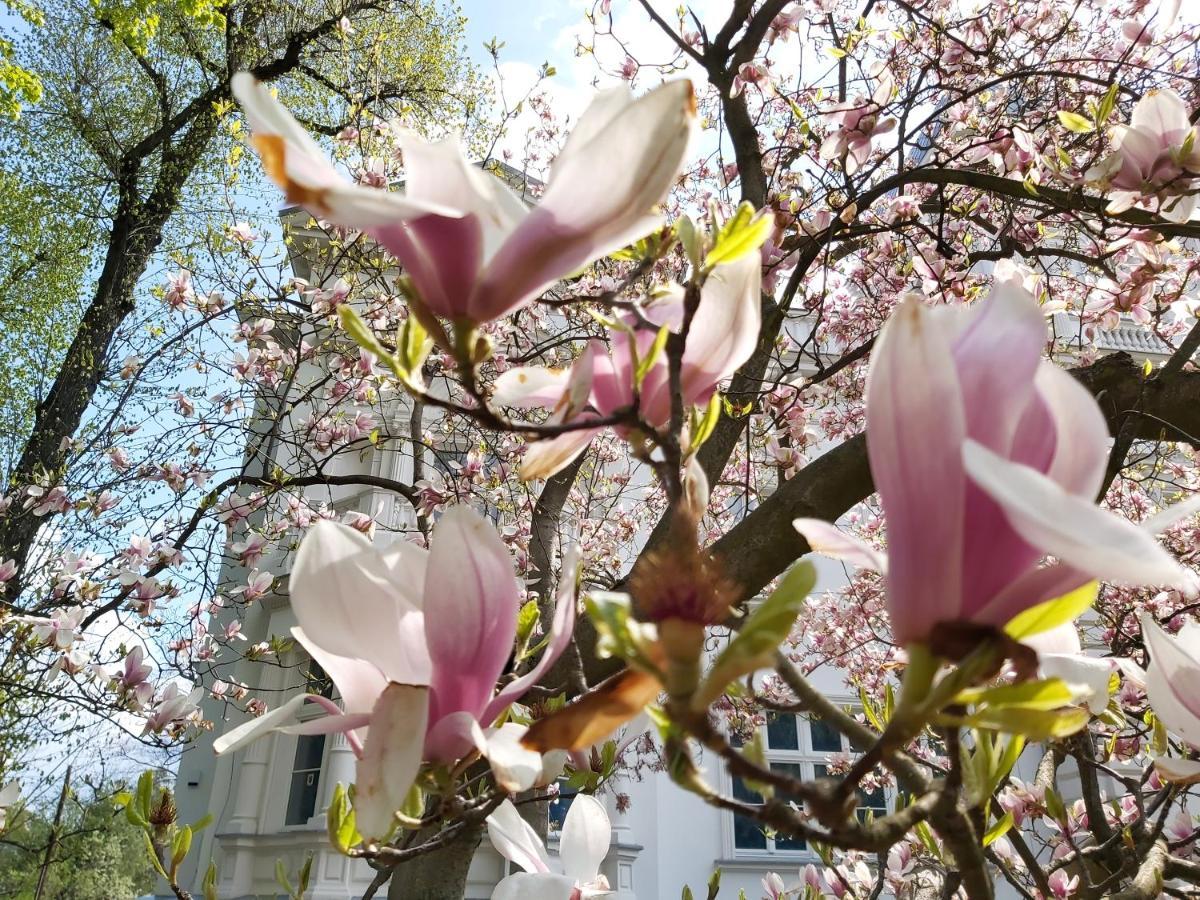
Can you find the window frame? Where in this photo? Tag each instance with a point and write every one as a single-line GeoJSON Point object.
{"type": "Point", "coordinates": [807, 758]}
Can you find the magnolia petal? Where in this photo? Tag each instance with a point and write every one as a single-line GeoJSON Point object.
{"type": "Point", "coordinates": [331, 724]}
{"type": "Point", "coordinates": [359, 682]}
{"type": "Point", "coordinates": [561, 630]}
{"type": "Point", "coordinates": [546, 457]}
{"type": "Point", "coordinates": [1179, 771]}
{"type": "Point", "coordinates": [829, 540]}
{"type": "Point", "coordinates": [1062, 639]}
{"type": "Point", "coordinates": [724, 330]}
{"type": "Point", "coordinates": [1161, 113]}
{"type": "Point", "coordinates": [916, 426]}
{"type": "Point", "coordinates": [515, 839]}
{"type": "Point", "coordinates": [530, 387]}
{"type": "Point", "coordinates": [1091, 675]}
{"type": "Point", "coordinates": [1164, 519]}
{"type": "Point", "coordinates": [1070, 527]}
{"type": "Point", "coordinates": [471, 599]}
{"type": "Point", "coordinates": [391, 757]}
{"type": "Point", "coordinates": [1081, 433]}
{"type": "Point", "coordinates": [601, 192]}
{"type": "Point", "coordinates": [526, 886]}
{"type": "Point", "coordinates": [586, 836]}
{"type": "Point", "coordinates": [452, 736]}
{"type": "Point", "coordinates": [1172, 681]}
{"type": "Point", "coordinates": [247, 732]}
{"type": "Point", "coordinates": [355, 602]}
{"type": "Point", "coordinates": [515, 768]}
{"type": "Point", "coordinates": [295, 162]}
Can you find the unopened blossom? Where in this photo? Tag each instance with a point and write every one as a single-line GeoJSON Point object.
{"type": "Point", "coordinates": [987, 458]}
{"type": "Point", "coordinates": [415, 642]}
{"type": "Point", "coordinates": [8, 569]}
{"type": "Point", "coordinates": [723, 334]}
{"type": "Point", "coordinates": [132, 680]}
{"type": "Point", "coordinates": [1154, 160]}
{"type": "Point", "coordinates": [583, 844]}
{"type": "Point", "coordinates": [472, 248]}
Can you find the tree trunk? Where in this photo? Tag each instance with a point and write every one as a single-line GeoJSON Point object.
{"type": "Point", "coordinates": [440, 875]}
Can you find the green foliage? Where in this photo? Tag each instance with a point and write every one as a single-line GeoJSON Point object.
{"type": "Point", "coordinates": [100, 856]}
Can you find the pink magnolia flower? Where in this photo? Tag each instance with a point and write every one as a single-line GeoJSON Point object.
{"type": "Point", "coordinates": [857, 125]}
{"type": "Point", "coordinates": [586, 836]}
{"type": "Point", "coordinates": [61, 629]}
{"type": "Point", "coordinates": [133, 679]}
{"type": "Point", "coordinates": [473, 249]}
{"type": "Point", "coordinates": [987, 458]}
{"type": "Point", "coordinates": [415, 642]}
{"type": "Point", "coordinates": [1063, 885]}
{"type": "Point", "coordinates": [722, 336]}
{"type": "Point", "coordinates": [1155, 150]}
{"type": "Point", "coordinates": [8, 569]}
{"type": "Point", "coordinates": [173, 707]}
{"type": "Point", "coordinates": [1173, 689]}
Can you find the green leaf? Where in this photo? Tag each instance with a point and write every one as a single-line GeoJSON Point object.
{"type": "Point", "coordinates": [647, 362]}
{"type": "Point", "coordinates": [686, 894]}
{"type": "Point", "coordinates": [360, 332]}
{"type": "Point", "coordinates": [1075, 122]}
{"type": "Point", "coordinates": [1052, 613]}
{"type": "Point", "coordinates": [281, 878]}
{"type": "Point", "coordinates": [691, 238]}
{"type": "Point", "coordinates": [209, 887]}
{"type": "Point", "coordinates": [702, 430]}
{"type": "Point", "coordinates": [305, 875]}
{"type": "Point", "coordinates": [145, 787]}
{"type": "Point", "coordinates": [1034, 724]}
{"type": "Point", "coordinates": [764, 630]}
{"type": "Point", "coordinates": [744, 233]}
{"type": "Point", "coordinates": [1108, 103]}
{"type": "Point", "coordinates": [927, 838]}
{"type": "Point", "coordinates": [1051, 693]}
{"type": "Point", "coordinates": [180, 846]}
{"type": "Point", "coordinates": [412, 345]}
{"type": "Point", "coordinates": [755, 752]}
{"type": "Point", "coordinates": [414, 803]}
{"type": "Point", "coordinates": [202, 823]}
{"type": "Point", "coordinates": [1008, 759]}
{"type": "Point", "coordinates": [527, 620]}
{"type": "Point", "coordinates": [1054, 805]}
{"type": "Point", "coordinates": [998, 830]}
{"type": "Point", "coordinates": [154, 856]}
{"type": "Point", "coordinates": [869, 710]}
{"type": "Point", "coordinates": [339, 821]}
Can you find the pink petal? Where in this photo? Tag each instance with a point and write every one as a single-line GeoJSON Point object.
{"type": "Point", "coordinates": [442, 255]}
{"type": "Point", "coordinates": [545, 457]}
{"type": "Point", "coordinates": [1173, 679]}
{"type": "Point", "coordinates": [561, 631]}
{"type": "Point", "coordinates": [724, 331]}
{"type": "Point", "coordinates": [527, 886]}
{"type": "Point", "coordinates": [1163, 115]}
{"type": "Point", "coordinates": [529, 387]}
{"type": "Point", "coordinates": [471, 601]}
{"type": "Point", "coordinates": [1081, 445]}
{"type": "Point", "coordinates": [915, 427]}
{"type": "Point", "coordinates": [359, 682]}
{"type": "Point", "coordinates": [391, 757]}
{"type": "Point", "coordinates": [602, 190]}
{"type": "Point", "coordinates": [829, 540]}
{"type": "Point", "coordinates": [1070, 527]}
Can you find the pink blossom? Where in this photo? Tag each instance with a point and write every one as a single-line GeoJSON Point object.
{"type": "Point", "coordinates": [415, 643]}
{"type": "Point", "coordinates": [723, 334]}
{"type": "Point", "coordinates": [757, 74]}
{"type": "Point", "coordinates": [857, 125]}
{"type": "Point", "coordinates": [987, 458]}
{"type": "Point", "coordinates": [473, 249]}
{"type": "Point", "coordinates": [1173, 689]}
{"type": "Point", "coordinates": [133, 680]}
{"type": "Point", "coordinates": [8, 569]}
{"type": "Point", "coordinates": [242, 233]}
{"type": "Point", "coordinates": [173, 708]}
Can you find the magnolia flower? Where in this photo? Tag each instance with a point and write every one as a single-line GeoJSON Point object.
{"type": "Point", "coordinates": [586, 835]}
{"type": "Point", "coordinates": [415, 642]}
{"type": "Point", "coordinates": [987, 458]}
{"type": "Point", "coordinates": [173, 707]}
{"type": "Point", "coordinates": [9, 795]}
{"type": "Point", "coordinates": [61, 629]}
{"type": "Point", "coordinates": [723, 334]}
{"type": "Point", "coordinates": [1060, 655]}
{"type": "Point", "coordinates": [1158, 147]}
{"type": "Point", "coordinates": [1173, 689]}
{"type": "Point", "coordinates": [857, 125]}
{"type": "Point", "coordinates": [473, 249]}
{"type": "Point", "coordinates": [132, 680]}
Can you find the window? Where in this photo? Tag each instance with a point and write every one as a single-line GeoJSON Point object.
{"type": "Point", "coordinates": [306, 779]}
{"type": "Point", "coordinates": [800, 747]}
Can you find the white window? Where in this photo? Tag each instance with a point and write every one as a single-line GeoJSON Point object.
{"type": "Point", "coordinates": [799, 746]}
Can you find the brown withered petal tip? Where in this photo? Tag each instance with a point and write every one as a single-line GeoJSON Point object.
{"type": "Point", "coordinates": [595, 715]}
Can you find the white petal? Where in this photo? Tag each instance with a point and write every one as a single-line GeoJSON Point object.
{"type": "Point", "coordinates": [247, 732]}
{"type": "Point", "coordinates": [586, 836]}
{"type": "Point", "coordinates": [515, 839]}
{"type": "Point", "coordinates": [529, 387]}
{"type": "Point", "coordinates": [524, 886]}
{"type": "Point", "coordinates": [1070, 527]}
{"type": "Point", "coordinates": [1160, 112]}
{"type": "Point", "coordinates": [1081, 445]}
{"type": "Point", "coordinates": [355, 602]}
{"type": "Point", "coordinates": [1173, 681]}
{"type": "Point", "coordinates": [391, 757]}
{"type": "Point", "coordinates": [1179, 771]}
{"type": "Point", "coordinates": [515, 768]}
{"type": "Point", "coordinates": [545, 457]}
{"type": "Point", "coordinates": [359, 682]}
{"type": "Point", "coordinates": [829, 540]}
{"type": "Point", "coordinates": [724, 331]}
{"type": "Point", "coordinates": [1091, 675]}
{"type": "Point", "coordinates": [1165, 518]}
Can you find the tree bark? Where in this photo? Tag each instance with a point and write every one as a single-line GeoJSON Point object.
{"type": "Point", "coordinates": [440, 875]}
